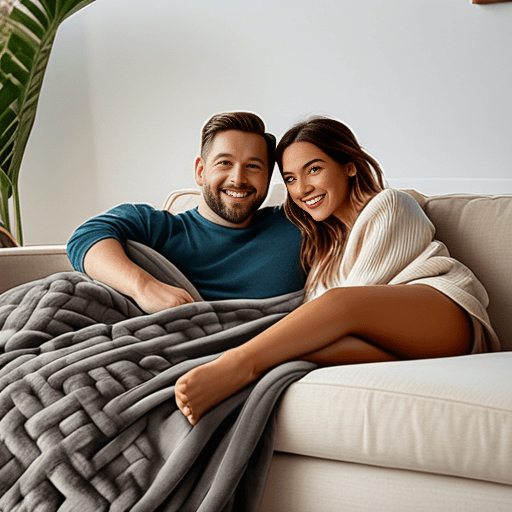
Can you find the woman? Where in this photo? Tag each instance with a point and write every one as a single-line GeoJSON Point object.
{"type": "Point", "coordinates": [379, 287]}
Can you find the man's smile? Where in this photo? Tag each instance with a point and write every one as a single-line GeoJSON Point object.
{"type": "Point", "coordinates": [237, 194]}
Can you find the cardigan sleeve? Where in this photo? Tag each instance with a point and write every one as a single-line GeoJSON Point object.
{"type": "Point", "coordinates": [391, 231]}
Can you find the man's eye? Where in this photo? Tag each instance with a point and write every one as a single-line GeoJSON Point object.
{"type": "Point", "coordinates": [254, 166]}
{"type": "Point", "coordinates": [224, 162]}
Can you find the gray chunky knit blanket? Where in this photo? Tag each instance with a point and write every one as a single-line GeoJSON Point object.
{"type": "Point", "coordinates": [88, 420]}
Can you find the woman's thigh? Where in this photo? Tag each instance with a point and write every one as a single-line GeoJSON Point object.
{"type": "Point", "coordinates": [410, 321]}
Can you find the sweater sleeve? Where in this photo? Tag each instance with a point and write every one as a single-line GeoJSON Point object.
{"type": "Point", "coordinates": [390, 232]}
{"type": "Point", "coordinates": [126, 221]}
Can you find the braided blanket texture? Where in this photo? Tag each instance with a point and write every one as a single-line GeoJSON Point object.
{"type": "Point", "coordinates": [88, 420]}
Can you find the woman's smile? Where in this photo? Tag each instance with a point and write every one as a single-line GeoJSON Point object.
{"type": "Point", "coordinates": [315, 201]}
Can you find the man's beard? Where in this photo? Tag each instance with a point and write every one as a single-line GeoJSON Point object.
{"type": "Point", "coordinates": [237, 213]}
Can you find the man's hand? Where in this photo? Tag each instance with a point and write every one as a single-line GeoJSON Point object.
{"type": "Point", "coordinates": [107, 262]}
{"type": "Point", "coordinates": [156, 296]}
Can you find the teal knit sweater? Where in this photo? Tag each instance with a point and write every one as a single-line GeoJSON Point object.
{"type": "Point", "coordinates": [259, 261]}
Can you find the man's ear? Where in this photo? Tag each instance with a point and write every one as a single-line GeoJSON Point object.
{"type": "Point", "coordinates": [198, 170]}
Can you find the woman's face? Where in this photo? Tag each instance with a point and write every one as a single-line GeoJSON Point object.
{"type": "Point", "coordinates": [316, 183]}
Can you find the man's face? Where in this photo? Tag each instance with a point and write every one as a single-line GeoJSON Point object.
{"type": "Point", "coordinates": [234, 178]}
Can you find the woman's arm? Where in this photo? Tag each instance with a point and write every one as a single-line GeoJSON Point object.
{"type": "Point", "coordinates": [391, 232]}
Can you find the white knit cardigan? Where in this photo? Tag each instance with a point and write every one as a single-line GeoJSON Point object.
{"type": "Point", "coordinates": [392, 242]}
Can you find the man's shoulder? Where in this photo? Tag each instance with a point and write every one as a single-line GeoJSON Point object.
{"type": "Point", "coordinates": [132, 208]}
{"type": "Point", "coordinates": [270, 213]}
{"type": "Point", "coordinates": [273, 221]}
{"type": "Point", "coordinates": [149, 209]}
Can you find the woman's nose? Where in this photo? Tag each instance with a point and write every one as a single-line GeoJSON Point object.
{"type": "Point", "coordinates": [304, 188]}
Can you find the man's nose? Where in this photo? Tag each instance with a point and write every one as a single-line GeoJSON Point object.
{"type": "Point", "coordinates": [237, 175]}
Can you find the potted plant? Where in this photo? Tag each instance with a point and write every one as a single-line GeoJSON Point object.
{"type": "Point", "coordinates": [27, 31]}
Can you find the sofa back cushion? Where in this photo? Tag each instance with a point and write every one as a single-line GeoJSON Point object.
{"type": "Point", "coordinates": [477, 230]}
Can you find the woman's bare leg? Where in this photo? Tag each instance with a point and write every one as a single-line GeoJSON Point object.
{"type": "Point", "coordinates": [349, 350]}
{"type": "Point", "coordinates": [403, 321]}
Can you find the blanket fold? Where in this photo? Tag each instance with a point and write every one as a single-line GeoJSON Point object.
{"type": "Point", "coordinates": [87, 414]}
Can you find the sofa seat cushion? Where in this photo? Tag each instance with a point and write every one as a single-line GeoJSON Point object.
{"type": "Point", "coordinates": [450, 416]}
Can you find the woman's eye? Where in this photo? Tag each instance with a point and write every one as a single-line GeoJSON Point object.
{"type": "Point", "coordinates": [289, 179]}
{"type": "Point", "coordinates": [314, 169]}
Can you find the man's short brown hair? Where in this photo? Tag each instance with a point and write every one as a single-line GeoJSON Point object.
{"type": "Point", "coordinates": [241, 121]}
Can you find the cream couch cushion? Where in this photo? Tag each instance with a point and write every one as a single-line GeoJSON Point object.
{"type": "Point", "coordinates": [449, 416]}
{"type": "Point", "coordinates": [305, 484]}
{"type": "Point", "coordinates": [20, 265]}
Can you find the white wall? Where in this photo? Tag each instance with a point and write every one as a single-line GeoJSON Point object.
{"type": "Point", "coordinates": [424, 84]}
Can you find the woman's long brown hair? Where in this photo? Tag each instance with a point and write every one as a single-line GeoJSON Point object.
{"type": "Point", "coordinates": [323, 243]}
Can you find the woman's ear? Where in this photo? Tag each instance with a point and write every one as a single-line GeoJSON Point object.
{"type": "Point", "coordinates": [351, 169]}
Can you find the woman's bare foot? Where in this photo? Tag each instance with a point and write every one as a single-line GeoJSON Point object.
{"type": "Point", "coordinates": [202, 388]}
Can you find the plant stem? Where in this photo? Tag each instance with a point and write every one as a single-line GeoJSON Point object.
{"type": "Point", "coordinates": [4, 216]}
{"type": "Point", "coordinates": [17, 214]}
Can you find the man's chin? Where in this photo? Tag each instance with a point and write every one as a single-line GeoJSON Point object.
{"type": "Point", "coordinates": [235, 214]}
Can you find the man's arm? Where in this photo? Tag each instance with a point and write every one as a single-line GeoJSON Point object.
{"type": "Point", "coordinates": [107, 262]}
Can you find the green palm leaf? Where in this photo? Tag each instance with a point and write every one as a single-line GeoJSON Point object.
{"type": "Point", "coordinates": [27, 32]}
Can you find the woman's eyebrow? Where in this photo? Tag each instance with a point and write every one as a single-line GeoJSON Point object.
{"type": "Point", "coordinates": [312, 162]}
{"type": "Point", "coordinates": [306, 165]}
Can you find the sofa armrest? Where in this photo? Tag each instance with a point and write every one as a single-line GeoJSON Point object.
{"type": "Point", "coordinates": [20, 265]}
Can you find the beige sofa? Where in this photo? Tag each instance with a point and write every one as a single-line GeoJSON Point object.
{"type": "Point", "coordinates": [429, 435]}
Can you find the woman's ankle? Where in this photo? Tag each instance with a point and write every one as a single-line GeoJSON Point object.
{"type": "Point", "coordinates": [240, 361]}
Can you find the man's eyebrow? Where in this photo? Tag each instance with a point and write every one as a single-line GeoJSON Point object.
{"type": "Point", "coordinates": [223, 155]}
{"type": "Point", "coordinates": [229, 155]}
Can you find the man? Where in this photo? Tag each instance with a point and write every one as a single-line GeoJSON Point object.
{"type": "Point", "coordinates": [227, 247]}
